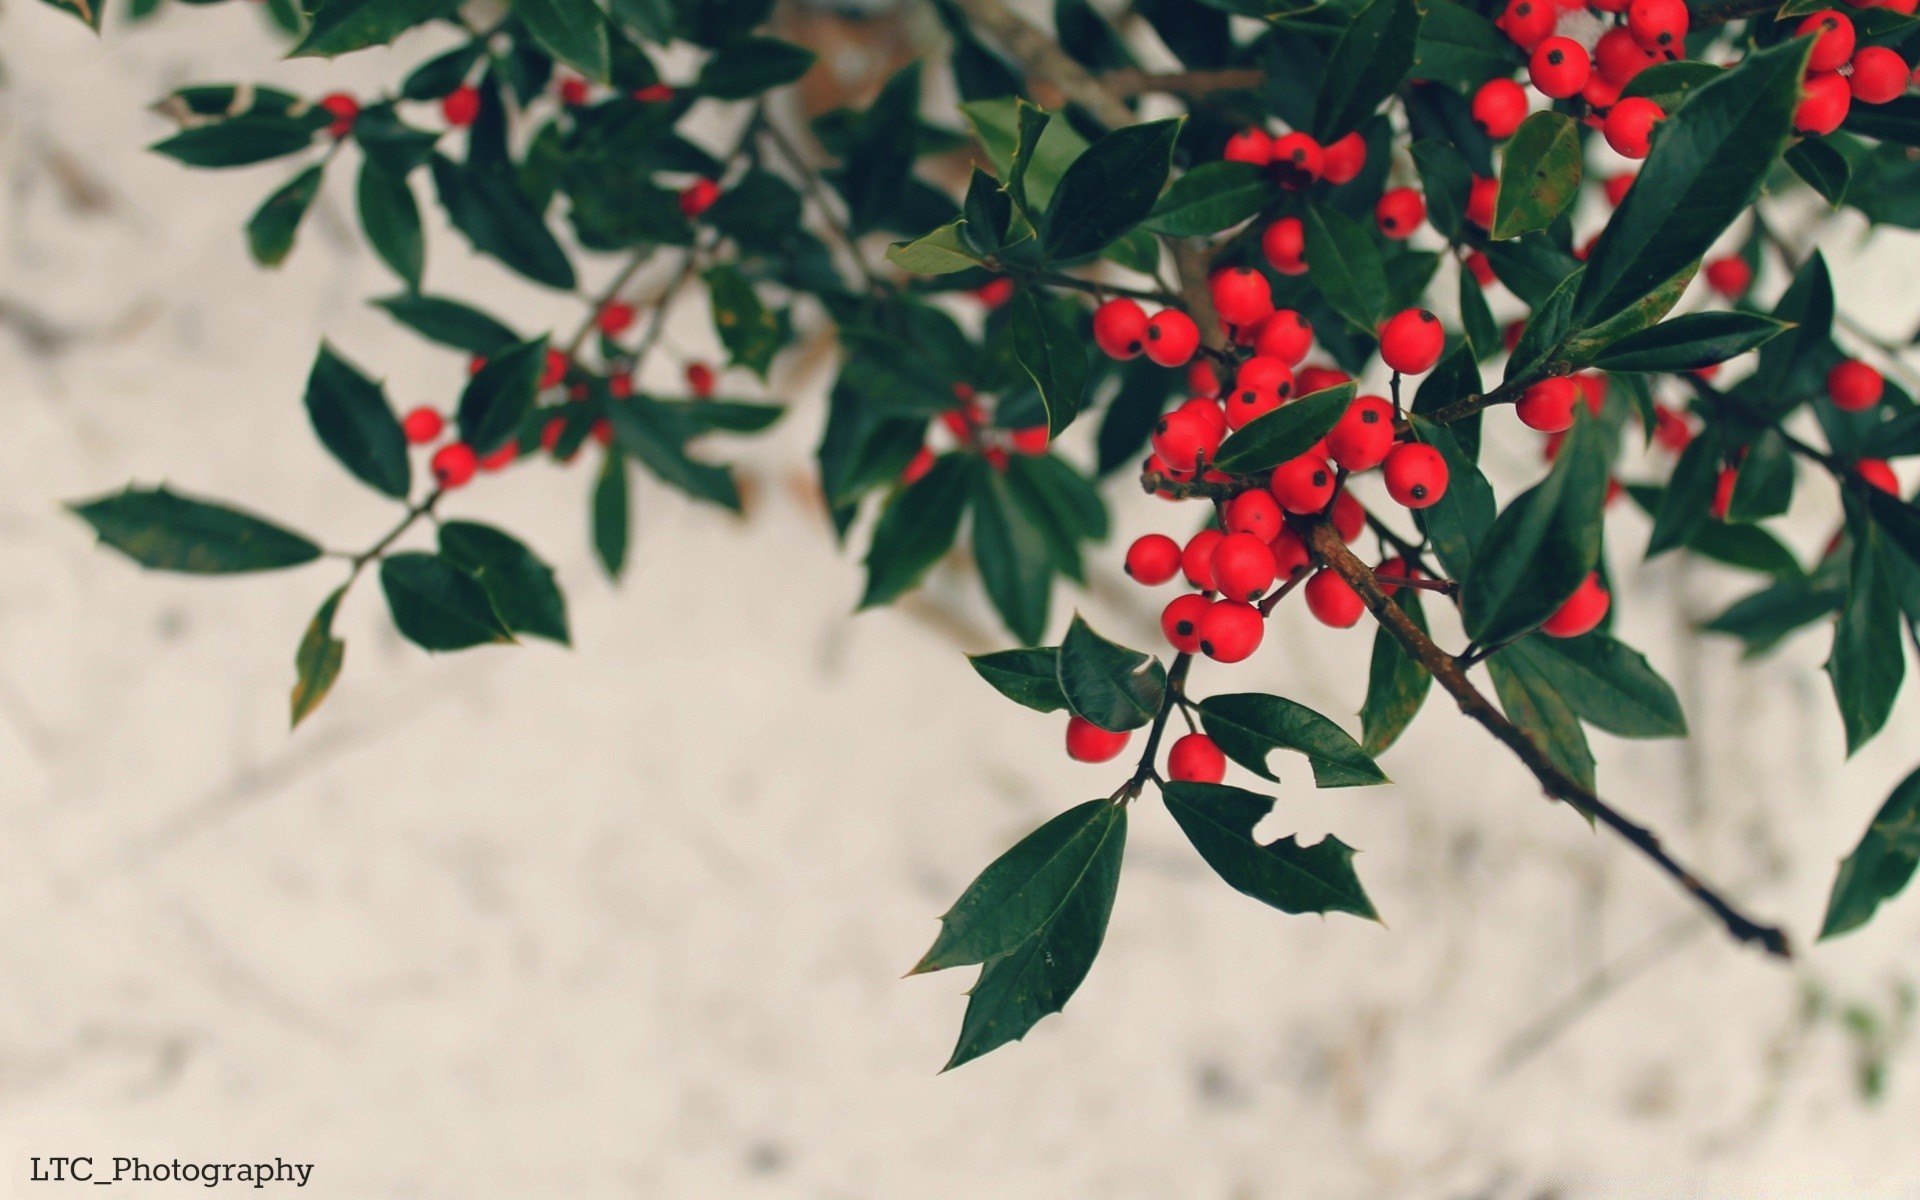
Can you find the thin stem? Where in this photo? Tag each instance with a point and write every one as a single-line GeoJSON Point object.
{"type": "Point", "coordinates": [1280, 593]}
{"type": "Point", "coordinates": [1145, 772]}
{"type": "Point", "coordinates": [1447, 586]}
{"type": "Point", "coordinates": [1041, 58]}
{"type": "Point", "coordinates": [810, 182]}
{"type": "Point", "coordinates": [605, 297]}
{"type": "Point", "coordinates": [1130, 82]}
{"type": "Point", "coordinates": [414, 513]}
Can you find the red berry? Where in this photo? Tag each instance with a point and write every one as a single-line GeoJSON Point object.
{"type": "Point", "coordinates": [1255, 512]}
{"type": "Point", "coordinates": [916, 468]}
{"type": "Point", "coordinates": [1290, 555]}
{"type": "Point", "coordinates": [1172, 337]}
{"type": "Point", "coordinates": [1527, 23]}
{"type": "Point", "coordinates": [1582, 611]}
{"type": "Point", "coordinates": [1411, 341]}
{"type": "Point", "coordinates": [1617, 186]}
{"type": "Point", "coordinates": [1309, 380]}
{"type": "Point", "coordinates": [1207, 410]}
{"type": "Point", "coordinates": [1120, 328]}
{"type": "Point", "coordinates": [1723, 492]}
{"type": "Point", "coordinates": [1879, 75]}
{"type": "Point", "coordinates": [1230, 631]}
{"type": "Point", "coordinates": [1482, 195]}
{"type": "Point", "coordinates": [1660, 25]}
{"type": "Point", "coordinates": [453, 465]}
{"type": "Point", "coordinates": [697, 197]}
{"type": "Point", "coordinates": [1348, 515]}
{"type": "Point", "coordinates": [461, 105]}
{"type": "Point", "coordinates": [345, 110]}
{"type": "Point", "coordinates": [1878, 474]}
{"type": "Point", "coordinates": [1088, 743]}
{"type": "Point", "coordinates": [1030, 441]}
{"type": "Point", "coordinates": [1629, 126]}
{"type": "Point", "coordinates": [1416, 475]}
{"type": "Point", "coordinates": [422, 425]}
{"type": "Point", "coordinates": [556, 369]}
{"type": "Point", "coordinates": [1832, 35]}
{"type": "Point", "coordinates": [1400, 212]}
{"type": "Point", "coordinates": [1730, 276]}
{"type": "Point", "coordinates": [1394, 568]}
{"type": "Point", "coordinates": [1617, 58]}
{"type": "Point", "coordinates": [993, 293]}
{"type": "Point", "coordinates": [1559, 67]}
{"type": "Point", "coordinates": [1304, 484]}
{"type": "Point", "coordinates": [1195, 759]}
{"type": "Point", "coordinates": [1284, 243]}
{"type": "Point", "coordinates": [1202, 380]}
{"type": "Point", "coordinates": [1249, 146]}
{"type": "Point", "coordinates": [1824, 104]}
{"type": "Point", "coordinates": [1601, 94]}
{"type": "Point", "coordinates": [500, 458]}
{"type": "Point", "coordinates": [573, 91]}
{"type": "Point", "coordinates": [1249, 403]}
{"type": "Point", "coordinates": [614, 318]}
{"type": "Point", "coordinates": [1180, 621]}
{"type": "Point", "coordinates": [654, 93]}
{"type": "Point", "coordinates": [1297, 160]}
{"type": "Point", "coordinates": [1333, 601]}
{"type": "Point", "coordinates": [1671, 430]}
{"type": "Point", "coordinates": [1242, 566]}
{"type": "Point", "coordinates": [1344, 159]}
{"type": "Point", "coordinates": [1196, 561]}
{"type": "Point", "coordinates": [700, 379]}
{"type": "Point", "coordinates": [1854, 386]}
{"type": "Point", "coordinates": [1286, 335]}
{"type": "Point", "coordinates": [1548, 405]}
{"type": "Point", "coordinates": [1499, 107]}
{"type": "Point", "coordinates": [1482, 268]}
{"type": "Point", "coordinates": [1153, 559]}
{"type": "Point", "coordinates": [1361, 438]}
{"type": "Point", "coordinates": [1268, 374]}
{"type": "Point", "coordinates": [1241, 295]}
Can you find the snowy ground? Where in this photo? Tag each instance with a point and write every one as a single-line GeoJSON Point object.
{"type": "Point", "coordinates": [630, 921]}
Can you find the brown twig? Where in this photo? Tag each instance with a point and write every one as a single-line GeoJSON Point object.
{"type": "Point", "coordinates": [1130, 82]}
{"type": "Point", "coordinates": [1040, 57]}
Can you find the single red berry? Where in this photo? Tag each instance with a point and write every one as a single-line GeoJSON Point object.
{"type": "Point", "coordinates": [1559, 67]}
{"type": "Point", "coordinates": [1823, 105]}
{"type": "Point", "coordinates": [1246, 404]}
{"type": "Point", "coordinates": [1303, 484]}
{"type": "Point", "coordinates": [1207, 410]}
{"type": "Point", "coordinates": [1723, 492]}
{"type": "Point", "coordinates": [1333, 601]}
{"type": "Point", "coordinates": [1391, 569]}
{"type": "Point", "coordinates": [916, 468]}
{"type": "Point", "coordinates": [1617, 58]}
{"type": "Point", "coordinates": [1266, 373]}
{"type": "Point", "coordinates": [1548, 405]}
{"type": "Point", "coordinates": [1290, 554]}
{"type": "Point", "coordinates": [1617, 186]}
{"type": "Point", "coordinates": [1255, 512]}
{"type": "Point", "coordinates": [1030, 441]}
{"type": "Point", "coordinates": [1583, 610]}
{"type": "Point", "coordinates": [1601, 94]}
{"type": "Point", "coordinates": [1088, 743]}
{"type": "Point", "coordinates": [1180, 622]}
{"type": "Point", "coordinates": [1172, 337]}
{"type": "Point", "coordinates": [1527, 23]}
{"type": "Point", "coordinates": [1593, 389]}
{"type": "Point", "coordinates": [1400, 212]}
{"type": "Point", "coordinates": [573, 91]}
{"type": "Point", "coordinates": [1249, 146]}
{"type": "Point", "coordinates": [697, 197]}
{"type": "Point", "coordinates": [1308, 380]}
{"type": "Point", "coordinates": [1202, 380]}
{"type": "Point", "coordinates": [1660, 25]}
{"type": "Point", "coordinates": [1196, 561]}
{"type": "Point", "coordinates": [1482, 195]}
{"type": "Point", "coordinates": [1499, 107]}
{"type": "Point", "coordinates": [1854, 386]}
{"type": "Point", "coordinates": [1120, 328]}
{"type": "Point", "coordinates": [1411, 341]}
{"type": "Point", "coordinates": [1416, 475]}
{"type": "Point", "coordinates": [500, 458]}
{"type": "Point", "coordinates": [1241, 295]}
{"type": "Point", "coordinates": [1629, 126]}
{"type": "Point", "coordinates": [654, 93]}
{"type": "Point", "coordinates": [1879, 75]}
{"type": "Point", "coordinates": [1348, 515]}
{"type": "Point", "coordinates": [1832, 34]}
{"type": "Point", "coordinates": [1286, 335]}
{"type": "Point", "coordinates": [461, 105]}
{"type": "Point", "coordinates": [614, 318]}
{"type": "Point", "coordinates": [422, 425]}
{"type": "Point", "coordinates": [453, 465]}
{"type": "Point", "coordinates": [1344, 159]}
{"type": "Point", "coordinates": [1230, 631]}
{"type": "Point", "coordinates": [1482, 268]}
{"type": "Point", "coordinates": [601, 431]}
{"type": "Point", "coordinates": [1284, 243]}
{"type": "Point", "coordinates": [994, 293]}
{"type": "Point", "coordinates": [345, 110]}
{"type": "Point", "coordinates": [1153, 559]}
{"type": "Point", "coordinates": [1671, 430]}
{"type": "Point", "coordinates": [1361, 438]}
{"type": "Point", "coordinates": [1195, 759]}
{"type": "Point", "coordinates": [1297, 160]}
{"type": "Point", "coordinates": [556, 369]}
{"type": "Point", "coordinates": [1242, 566]}
{"type": "Point", "coordinates": [1878, 474]}
{"type": "Point", "coordinates": [700, 379]}
{"type": "Point", "coordinates": [1730, 276]}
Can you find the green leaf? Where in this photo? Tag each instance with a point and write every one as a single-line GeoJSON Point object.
{"type": "Point", "coordinates": [519, 584]}
{"type": "Point", "coordinates": [449, 322]}
{"type": "Point", "coordinates": [493, 212]}
{"type": "Point", "coordinates": [880, 159]}
{"type": "Point", "coordinates": [1285, 433]}
{"type": "Point", "coordinates": [165, 531]}
{"type": "Point", "coordinates": [1607, 683]}
{"type": "Point", "coordinates": [942, 252]}
{"type": "Point", "coordinates": [1041, 974]}
{"type": "Point", "coordinates": [1014, 558]}
{"type": "Point", "coordinates": [649, 431]}
{"type": "Point", "coordinates": [1539, 174]}
{"type": "Point", "coordinates": [317, 661]}
{"type": "Point", "coordinates": [1532, 702]}
{"type": "Point", "coordinates": [341, 26]}
{"type": "Point", "coordinates": [611, 522]}
{"type": "Point", "coordinates": [441, 74]}
{"type": "Point", "coordinates": [752, 65]}
{"type": "Point", "coordinates": [1209, 198]}
{"type": "Point", "coordinates": [1795, 364]}
{"type": "Point", "coordinates": [917, 526]}
{"type": "Point", "coordinates": [1026, 677]}
{"type": "Point", "coordinates": [438, 606]}
{"type": "Point", "coordinates": [239, 141]}
{"type": "Point", "coordinates": [1748, 547]}
{"type": "Point", "coordinates": [1897, 438]}
{"type": "Point", "coordinates": [1685, 343]}
{"type": "Point", "coordinates": [271, 229]}
{"type": "Point", "coordinates": [354, 421]}
{"type": "Point", "coordinates": [389, 142]}
{"type": "Point", "coordinates": [1052, 353]}
{"type": "Point", "coordinates": [1669, 84]}
{"type": "Point", "coordinates": [1109, 189]}
{"type": "Point", "coordinates": [1445, 179]}
{"type": "Point", "coordinates": [391, 217]}
{"type": "Point", "coordinates": [89, 11]}
{"type": "Point", "coordinates": [997, 124]}
{"type": "Point", "coordinates": [1707, 164]}
{"type": "Point", "coordinates": [1867, 663]}
{"type": "Point", "coordinates": [1822, 168]}
{"type": "Point", "coordinates": [1396, 683]}
{"type": "Point", "coordinates": [1113, 687]}
{"type": "Point", "coordinates": [1899, 519]}
{"type": "Point", "coordinates": [1543, 546]}
{"type": "Point", "coordinates": [573, 31]}
{"type": "Point", "coordinates": [1248, 726]}
{"type": "Point", "coordinates": [751, 332]}
{"type": "Point", "coordinates": [1220, 821]}
{"type": "Point", "coordinates": [1687, 505]}
{"type": "Point", "coordinates": [1880, 865]}
{"type": "Point", "coordinates": [1764, 485]}
{"type": "Point", "coordinates": [1459, 47]}
{"type": "Point", "coordinates": [500, 395]}
{"type": "Point", "coordinates": [1458, 522]}
{"type": "Point", "coordinates": [1344, 264]}
{"type": "Point", "coordinates": [1367, 64]}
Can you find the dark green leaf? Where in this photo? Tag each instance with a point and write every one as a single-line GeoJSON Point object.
{"type": "Point", "coordinates": [1109, 189]}
{"type": "Point", "coordinates": [1396, 683]}
{"type": "Point", "coordinates": [1823, 168]}
{"type": "Point", "coordinates": [573, 31]}
{"type": "Point", "coordinates": [916, 528]}
{"type": "Point", "coordinates": [1026, 677]}
{"type": "Point", "coordinates": [739, 70]}
{"type": "Point", "coordinates": [1211, 197]}
{"type": "Point", "coordinates": [1867, 663]}
{"type": "Point", "coordinates": [1445, 179]}
{"type": "Point", "coordinates": [437, 606]}
{"type": "Point", "coordinates": [611, 521]}
{"type": "Point", "coordinates": [449, 322]}
{"type": "Point", "coordinates": [495, 215]}
{"type": "Point", "coordinates": [89, 11]}
{"type": "Point", "coordinates": [1607, 683]}
{"type": "Point", "coordinates": [1880, 865]}
{"type": "Point", "coordinates": [1014, 558]}
{"type": "Point", "coordinates": [271, 230]}
{"type": "Point", "coordinates": [1532, 702]}
{"type": "Point", "coordinates": [1367, 64]}
{"type": "Point", "coordinates": [239, 141]}
{"type": "Point", "coordinates": [649, 431]}
{"type": "Point", "coordinates": [1795, 364]}
{"type": "Point", "coordinates": [1685, 343]}
{"type": "Point", "coordinates": [1461, 48]}
{"type": "Point", "coordinates": [519, 584]}
{"type": "Point", "coordinates": [1111, 686]}
{"type": "Point", "coordinates": [391, 218]}
{"type": "Point", "coordinates": [165, 531]}
{"type": "Point", "coordinates": [750, 331]}
{"type": "Point", "coordinates": [1764, 485]}
{"type": "Point", "coordinates": [1249, 726]}
{"type": "Point", "coordinates": [1687, 505]}
{"type": "Point", "coordinates": [1897, 438]}
{"type": "Point", "coordinates": [1285, 433]}
{"type": "Point", "coordinates": [1220, 821]}
{"type": "Point", "coordinates": [500, 395]}
{"type": "Point", "coordinates": [354, 421]}
{"type": "Point", "coordinates": [442, 73]}
{"type": "Point", "coordinates": [1344, 264]}
{"type": "Point", "coordinates": [340, 26]}
{"type": "Point", "coordinates": [317, 661]}
{"type": "Point", "coordinates": [1539, 174]}
{"type": "Point", "coordinates": [881, 156]}
{"type": "Point", "coordinates": [1052, 353]}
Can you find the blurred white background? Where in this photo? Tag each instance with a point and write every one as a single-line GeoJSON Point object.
{"type": "Point", "coordinates": [629, 921]}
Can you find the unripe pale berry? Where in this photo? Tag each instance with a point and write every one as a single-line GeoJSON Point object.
{"type": "Point", "coordinates": [1230, 631]}
{"type": "Point", "coordinates": [1416, 475]}
{"type": "Point", "coordinates": [1304, 484]}
{"type": "Point", "coordinates": [1730, 276]}
{"type": "Point", "coordinates": [1242, 566]}
{"type": "Point", "coordinates": [1832, 34]}
{"type": "Point", "coordinates": [1183, 439]}
{"type": "Point", "coordinates": [1629, 126]}
{"type": "Point", "coordinates": [1251, 146]}
{"type": "Point", "coordinates": [1180, 622]}
{"type": "Point", "coordinates": [1583, 610]}
{"type": "Point", "coordinates": [1878, 474]}
{"type": "Point", "coordinates": [1400, 212]}
{"type": "Point", "coordinates": [1255, 512]}
{"type": "Point", "coordinates": [1854, 386]}
{"type": "Point", "coordinates": [1195, 759]}
{"type": "Point", "coordinates": [1411, 341]}
{"type": "Point", "coordinates": [1286, 335]}
{"type": "Point", "coordinates": [1332, 601]}
{"type": "Point", "coordinates": [1499, 106]}
{"type": "Point", "coordinates": [1284, 243]}
{"type": "Point", "coordinates": [1196, 561]}
{"type": "Point", "coordinates": [422, 425]}
{"type": "Point", "coordinates": [1088, 743]}
{"type": "Point", "coordinates": [1297, 160]}
{"type": "Point", "coordinates": [1344, 159]}
{"type": "Point", "coordinates": [1172, 337]}
{"type": "Point", "coordinates": [1361, 438]}
{"type": "Point", "coordinates": [1824, 105]}
{"type": "Point", "coordinates": [1241, 295]}
{"type": "Point", "coordinates": [1120, 328]}
{"type": "Point", "coordinates": [461, 105]}
{"type": "Point", "coordinates": [1879, 75]}
{"type": "Point", "coordinates": [1548, 405]}
{"type": "Point", "coordinates": [1559, 67]}
{"type": "Point", "coordinates": [1659, 25]}
{"type": "Point", "coordinates": [453, 465]}
{"type": "Point", "coordinates": [1153, 559]}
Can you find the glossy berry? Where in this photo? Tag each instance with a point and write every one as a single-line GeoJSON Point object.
{"type": "Point", "coordinates": [916, 468]}
{"type": "Point", "coordinates": [1499, 107]}
{"type": "Point", "coordinates": [1823, 104]}
{"type": "Point", "coordinates": [614, 318]}
{"type": "Point", "coordinates": [453, 465]}
{"type": "Point", "coordinates": [1208, 411]}
{"type": "Point", "coordinates": [1416, 475]}
{"type": "Point", "coordinates": [1332, 601]}
{"type": "Point", "coordinates": [1308, 380]}
{"type": "Point", "coordinates": [1202, 380]}
{"type": "Point", "coordinates": [1583, 610]}
{"type": "Point", "coordinates": [1242, 565]}
{"type": "Point", "coordinates": [1290, 555]}
{"type": "Point", "coordinates": [1730, 276]}
{"type": "Point", "coordinates": [1400, 212]}
{"type": "Point", "coordinates": [1230, 631]}
{"type": "Point", "coordinates": [1088, 743]}
{"type": "Point", "coordinates": [1247, 404]}
{"type": "Point", "coordinates": [1172, 337]}
{"type": "Point", "coordinates": [700, 379]}
{"type": "Point", "coordinates": [1153, 559]}
{"type": "Point", "coordinates": [1629, 126]}
{"type": "Point", "coordinates": [1617, 58]}
{"type": "Point", "coordinates": [1481, 267]}
{"type": "Point", "coordinates": [994, 292]}
{"type": "Point", "coordinates": [461, 105]}
{"type": "Point", "coordinates": [1195, 759]}
{"type": "Point", "coordinates": [1361, 438]}
{"type": "Point", "coordinates": [1348, 515]}
{"type": "Point", "coordinates": [1304, 484]}
{"type": "Point", "coordinates": [1832, 34]}
{"type": "Point", "coordinates": [574, 91]}
{"type": "Point", "coordinates": [697, 197]}
{"type": "Point", "coordinates": [1878, 474]}
{"type": "Point", "coordinates": [1284, 243]}
{"type": "Point", "coordinates": [1671, 430]}
{"type": "Point", "coordinates": [1251, 146]}
{"type": "Point", "coordinates": [1559, 67]}
{"type": "Point", "coordinates": [1411, 341]}
{"type": "Point", "coordinates": [1297, 160]}
{"type": "Point", "coordinates": [556, 369]}
{"type": "Point", "coordinates": [1548, 405]}
{"type": "Point", "coordinates": [1394, 568]}
{"type": "Point", "coordinates": [1879, 75]}
{"type": "Point", "coordinates": [1255, 512]}
{"type": "Point", "coordinates": [1180, 622]}
{"type": "Point", "coordinates": [1268, 374]}
{"type": "Point", "coordinates": [1286, 335]}
{"type": "Point", "coordinates": [1196, 560]}
{"type": "Point", "coordinates": [1241, 295]}
{"type": "Point", "coordinates": [1344, 159]}
{"type": "Point", "coordinates": [1660, 25]}
{"type": "Point", "coordinates": [1853, 386]}
{"type": "Point", "coordinates": [422, 425]}
{"type": "Point", "coordinates": [1527, 23]}
{"type": "Point", "coordinates": [1030, 441]}
{"type": "Point", "coordinates": [1120, 328]}
{"type": "Point", "coordinates": [345, 110]}
{"type": "Point", "coordinates": [1482, 195]}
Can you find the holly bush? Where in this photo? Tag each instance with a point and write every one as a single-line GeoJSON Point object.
{"type": "Point", "coordinates": [1222, 230]}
